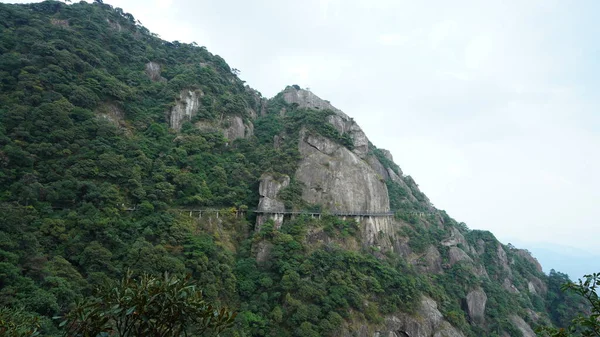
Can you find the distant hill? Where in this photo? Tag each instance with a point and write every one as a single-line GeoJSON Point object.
{"type": "Point", "coordinates": [571, 260]}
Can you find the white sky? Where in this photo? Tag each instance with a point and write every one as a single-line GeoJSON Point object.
{"type": "Point", "coordinates": [491, 106]}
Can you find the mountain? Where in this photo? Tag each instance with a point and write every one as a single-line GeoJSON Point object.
{"type": "Point", "coordinates": [573, 261]}
{"type": "Point", "coordinates": [120, 151]}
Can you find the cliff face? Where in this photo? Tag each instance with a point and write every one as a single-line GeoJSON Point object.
{"type": "Point", "coordinates": [337, 178]}
{"type": "Point", "coordinates": [359, 178]}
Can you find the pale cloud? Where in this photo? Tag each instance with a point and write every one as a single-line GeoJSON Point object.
{"type": "Point", "coordinates": [163, 4]}
{"type": "Point", "coordinates": [478, 53]}
{"type": "Point", "coordinates": [393, 39]}
{"type": "Point", "coordinates": [441, 32]}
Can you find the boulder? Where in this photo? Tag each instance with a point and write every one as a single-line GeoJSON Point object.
{"type": "Point", "coordinates": [538, 285]}
{"type": "Point", "coordinates": [426, 322]}
{"type": "Point", "coordinates": [431, 261]}
{"type": "Point", "coordinates": [475, 301]}
{"type": "Point", "coordinates": [455, 238]}
{"type": "Point", "coordinates": [457, 255]}
{"type": "Point", "coordinates": [520, 324]}
{"type": "Point", "coordinates": [508, 286]}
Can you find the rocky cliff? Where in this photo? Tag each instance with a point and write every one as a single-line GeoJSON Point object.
{"type": "Point", "coordinates": [356, 177]}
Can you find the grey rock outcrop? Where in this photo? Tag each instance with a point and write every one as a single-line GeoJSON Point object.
{"type": "Point", "coordinates": [480, 249]}
{"type": "Point", "coordinates": [339, 120]}
{"type": "Point", "coordinates": [344, 124]}
{"type": "Point", "coordinates": [395, 178]}
{"type": "Point", "coordinates": [475, 301]}
{"type": "Point", "coordinates": [520, 324]}
{"type": "Point", "coordinates": [534, 316]}
{"type": "Point", "coordinates": [263, 251]}
{"type": "Point", "coordinates": [268, 189]}
{"type": "Point", "coordinates": [527, 256]}
{"type": "Point", "coordinates": [457, 255]}
{"type": "Point", "coordinates": [480, 271]}
{"type": "Point", "coordinates": [503, 259]}
{"type": "Point", "coordinates": [378, 167]}
{"type": "Point", "coordinates": [185, 108]}
{"type": "Point", "coordinates": [387, 154]}
{"type": "Point", "coordinates": [112, 113]}
{"type": "Point", "coordinates": [455, 238]}
{"type": "Point", "coordinates": [378, 232]}
{"type": "Point", "coordinates": [338, 179]}
{"type": "Point", "coordinates": [237, 129]}
{"type": "Point", "coordinates": [508, 286]}
{"type": "Point", "coordinates": [427, 322]}
{"type": "Point", "coordinates": [306, 99]}
{"type": "Point", "coordinates": [431, 261]}
{"type": "Point", "coordinates": [540, 287]}
{"type": "Point", "coordinates": [153, 71]}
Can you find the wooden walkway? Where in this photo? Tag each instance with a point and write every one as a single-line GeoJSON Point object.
{"type": "Point", "coordinates": [356, 214]}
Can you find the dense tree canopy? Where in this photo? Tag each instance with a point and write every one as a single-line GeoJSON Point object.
{"type": "Point", "coordinates": [94, 181]}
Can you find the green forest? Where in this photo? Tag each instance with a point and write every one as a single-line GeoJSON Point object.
{"type": "Point", "coordinates": [95, 186]}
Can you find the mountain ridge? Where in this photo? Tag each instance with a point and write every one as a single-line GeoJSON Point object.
{"type": "Point", "coordinates": [96, 112]}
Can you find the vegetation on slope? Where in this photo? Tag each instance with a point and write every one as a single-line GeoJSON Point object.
{"type": "Point", "coordinates": [84, 137]}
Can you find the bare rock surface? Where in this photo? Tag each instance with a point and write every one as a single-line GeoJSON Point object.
{"type": "Point", "coordinates": [503, 259]}
{"type": "Point", "coordinates": [339, 120]}
{"type": "Point", "coordinates": [185, 108]}
{"type": "Point", "coordinates": [455, 238]}
{"type": "Point", "coordinates": [268, 189]}
{"type": "Point", "coordinates": [520, 324]}
{"type": "Point", "coordinates": [431, 261]}
{"type": "Point", "coordinates": [508, 286]}
{"type": "Point", "coordinates": [397, 179]}
{"type": "Point", "coordinates": [337, 178]}
{"type": "Point", "coordinates": [153, 71]}
{"type": "Point", "coordinates": [527, 256]}
{"type": "Point", "coordinates": [237, 129]}
{"type": "Point", "coordinates": [378, 167]}
{"type": "Point", "coordinates": [112, 113]}
{"type": "Point", "coordinates": [480, 247]}
{"type": "Point", "coordinates": [476, 300]}
{"type": "Point", "coordinates": [457, 255]}
{"type": "Point", "coordinates": [427, 322]}
{"type": "Point", "coordinates": [538, 285]}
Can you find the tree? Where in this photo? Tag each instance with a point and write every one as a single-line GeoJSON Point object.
{"type": "Point", "coordinates": [17, 322]}
{"type": "Point", "coordinates": [166, 306]}
{"type": "Point", "coordinates": [583, 325]}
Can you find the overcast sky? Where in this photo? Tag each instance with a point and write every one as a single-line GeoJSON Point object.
{"type": "Point", "coordinates": [491, 106]}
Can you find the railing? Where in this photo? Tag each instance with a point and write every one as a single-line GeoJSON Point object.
{"type": "Point", "coordinates": [239, 212]}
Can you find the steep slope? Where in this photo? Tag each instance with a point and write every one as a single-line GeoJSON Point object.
{"type": "Point", "coordinates": [469, 274]}
{"type": "Point", "coordinates": [119, 151]}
